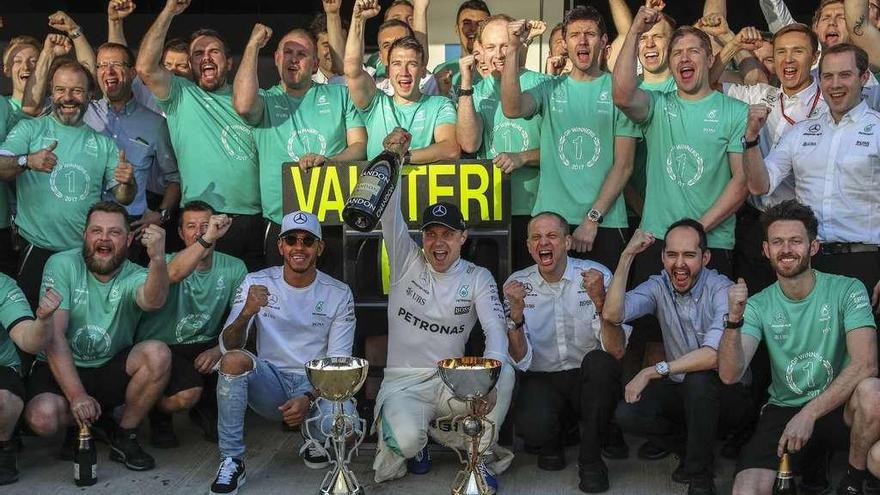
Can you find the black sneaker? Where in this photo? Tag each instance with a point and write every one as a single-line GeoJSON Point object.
{"type": "Point", "coordinates": [872, 485]}
{"type": "Point", "coordinates": [701, 485]}
{"type": "Point", "coordinates": [615, 446]}
{"type": "Point", "coordinates": [71, 434]}
{"type": "Point", "coordinates": [230, 477]}
{"type": "Point", "coordinates": [593, 477]}
{"type": "Point", "coordinates": [650, 451]}
{"type": "Point", "coordinates": [851, 483]}
{"type": "Point", "coordinates": [8, 464]}
{"type": "Point", "coordinates": [205, 417]}
{"type": "Point", "coordinates": [126, 449]}
{"type": "Point", "coordinates": [162, 434]}
{"type": "Point", "coordinates": [314, 455]}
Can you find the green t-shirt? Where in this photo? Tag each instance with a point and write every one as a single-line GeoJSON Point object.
{"type": "Point", "coordinates": [52, 207]}
{"type": "Point", "coordinates": [14, 308]}
{"type": "Point", "coordinates": [687, 165]}
{"type": "Point", "coordinates": [215, 148]}
{"type": "Point", "coordinates": [806, 339]}
{"type": "Point", "coordinates": [579, 125]}
{"type": "Point", "coordinates": [501, 134]}
{"type": "Point", "coordinates": [291, 127]}
{"type": "Point", "coordinates": [455, 71]}
{"type": "Point", "coordinates": [420, 118]}
{"type": "Point", "coordinates": [195, 305]}
{"type": "Point", "coordinates": [102, 316]}
{"type": "Point", "coordinates": [375, 61]}
{"type": "Point", "coordinates": [8, 120]}
{"type": "Point", "coordinates": [638, 179]}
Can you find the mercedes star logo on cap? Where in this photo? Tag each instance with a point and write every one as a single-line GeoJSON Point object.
{"type": "Point", "coordinates": [300, 218]}
{"type": "Point", "coordinates": [439, 210]}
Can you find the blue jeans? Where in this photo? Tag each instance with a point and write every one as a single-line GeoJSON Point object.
{"type": "Point", "coordinates": [264, 389]}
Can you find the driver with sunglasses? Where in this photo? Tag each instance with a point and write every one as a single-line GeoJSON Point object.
{"type": "Point", "coordinates": [298, 313]}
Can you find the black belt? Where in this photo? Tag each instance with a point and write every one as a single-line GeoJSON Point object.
{"type": "Point", "coordinates": [849, 247]}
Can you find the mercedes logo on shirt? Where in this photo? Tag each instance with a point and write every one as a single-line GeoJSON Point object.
{"type": "Point", "coordinates": [439, 210]}
{"type": "Point", "coordinates": [300, 218]}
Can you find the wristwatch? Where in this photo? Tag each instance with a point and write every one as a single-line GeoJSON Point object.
{"type": "Point", "coordinates": [465, 92]}
{"type": "Point", "coordinates": [595, 215]}
{"type": "Point", "coordinates": [164, 215]}
{"type": "Point", "coordinates": [22, 161]}
{"type": "Point", "coordinates": [733, 324]}
{"type": "Point", "coordinates": [311, 397]}
{"type": "Point", "coordinates": [750, 144]}
{"type": "Point", "coordinates": [513, 325]}
{"type": "Point", "coordinates": [205, 244]}
{"type": "Point", "coordinates": [74, 33]}
{"type": "Point", "coordinates": [662, 368]}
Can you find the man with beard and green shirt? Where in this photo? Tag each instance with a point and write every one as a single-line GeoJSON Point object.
{"type": "Point", "coordinates": [512, 144]}
{"type": "Point", "coordinates": [91, 365]}
{"type": "Point", "coordinates": [60, 167]}
{"type": "Point", "coordinates": [306, 122]}
{"type": "Point", "coordinates": [430, 119]}
{"type": "Point", "coordinates": [587, 144]}
{"type": "Point", "coordinates": [215, 149]}
{"type": "Point", "coordinates": [203, 284]}
{"type": "Point", "coordinates": [694, 142]}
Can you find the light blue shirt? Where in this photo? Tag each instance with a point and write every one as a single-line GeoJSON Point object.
{"type": "Point", "coordinates": [688, 321]}
{"type": "Point", "coordinates": [143, 135]}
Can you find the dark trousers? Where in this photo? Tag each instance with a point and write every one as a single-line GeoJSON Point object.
{"type": "Point", "coordinates": [749, 261]}
{"type": "Point", "coordinates": [862, 266]}
{"type": "Point", "coordinates": [30, 270]}
{"type": "Point", "coordinates": [607, 246]}
{"type": "Point", "coordinates": [592, 391]}
{"type": "Point", "coordinates": [8, 253]}
{"type": "Point", "coordinates": [244, 240]}
{"type": "Point", "coordinates": [684, 417]}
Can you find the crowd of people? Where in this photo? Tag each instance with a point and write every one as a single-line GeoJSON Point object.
{"type": "Point", "coordinates": [647, 173]}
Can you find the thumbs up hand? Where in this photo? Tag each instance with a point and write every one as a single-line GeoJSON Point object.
{"type": "Point", "coordinates": [124, 173]}
{"type": "Point", "coordinates": [737, 295]}
{"type": "Point", "coordinates": [43, 160]}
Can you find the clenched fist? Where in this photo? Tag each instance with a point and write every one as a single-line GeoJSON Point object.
{"type": "Point", "coordinates": [515, 296]}
{"type": "Point", "coordinates": [737, 295]}
{"type": "Point", "coordinates": [62, 22]}
{"type": "Point", "coordinates": [517, 32]}
{"type": "Point", "coordinates": [175, 7]}
{"type": "Point", "coordinates": [594, 283]}
{"type": "Point", "coordinates": [639, 242]}
{"type": "Point", "coordinates": [58, 44]}
{"type": "Point", "coordinates": [218, 225]}
{"type": "Point", "coordinates": [260, 35]}
{"type": "Point", "coordinates": [645, 19]}
{"type": "Point", "coordinates": [50, 301]}
{"type": "Point", "coordinates": [153, 239]}
{"type": "Point", "coordinates": [258, 297]}
{"type": "Point", "coordinates": [118, 10]}
{"type": "Point", "coordinates": [366, 9]}
{"type": "Point", "coordinates": [398, 141]}
{"type": "Point", "coordinates": [757, 119]}
{"type": "Point", "coordinates": [124, 173]}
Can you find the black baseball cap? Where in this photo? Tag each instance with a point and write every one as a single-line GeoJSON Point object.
{"type": "Point", "coordinates": [443, 214]}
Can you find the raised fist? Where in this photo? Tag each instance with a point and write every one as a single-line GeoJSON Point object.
{"type": "Point", "coordinates": [366, 9]}
{"type": "Point", "coordinates": [594, 283]}
{"type": "Point", "coordinates": [260, 35]}
{"type": "Point", "coordinates": [749, 38]}
{"type": "Point", "coordinates": [175, 7]}
{"type": "Point", "coordinates": [118, 10]}
{"type": "Point", "coordinates": [517, 31]}
{"type": "Point", "coordinates": [153, 239]}
{"type": "Point", "coordinates": [639, 242]}
{"type": "Point", "coordinates": [645, 19]}
{"type": "Point", "coordinates": [59, 44]}
{"type": "Point", "coordinates": [258, 297]}
{"type": "Point", "coordinates": [218, 225]}
{"type": "Point", "coordinates": [62, 22]}
{"type": "Point", "coordinates": [757, 119]}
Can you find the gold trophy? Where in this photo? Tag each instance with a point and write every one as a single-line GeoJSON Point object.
{"type": "Point", "coordinates": [470, 379]}
{"type": "Point", "coordinates": [337, 379]}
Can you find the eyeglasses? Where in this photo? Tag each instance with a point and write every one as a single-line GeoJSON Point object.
{"type": "Point", "coordinates": [116, 64]}
{"type": "Point", "coordinates": [306, 240]}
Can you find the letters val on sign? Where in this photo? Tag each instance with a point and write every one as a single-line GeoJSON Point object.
{"type": "Point", "coordinates": [479, 188]}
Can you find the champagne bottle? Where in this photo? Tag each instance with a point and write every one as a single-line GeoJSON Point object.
{"type": "Point", "coordinates": [85, 459]}
{"type": "Point", "coordinates": [367, 202]}
{"type": "Point", "coordinates": [784, 484]}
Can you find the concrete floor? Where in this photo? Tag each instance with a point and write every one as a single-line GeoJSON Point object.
{"type": "Point", "coordinates": [273, 467]}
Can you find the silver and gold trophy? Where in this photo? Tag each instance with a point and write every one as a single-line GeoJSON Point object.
{"type": "Point", "coordinates": [337, 379]}
{"type": "Point", "coordinates": [471, 379]}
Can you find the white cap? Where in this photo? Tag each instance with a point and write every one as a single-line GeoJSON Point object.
{"type": "Point", "coordinates": [300, 220]}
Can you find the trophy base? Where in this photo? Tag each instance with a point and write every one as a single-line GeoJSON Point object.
{"type": "Point", "coordinates": [341, 482]}
{"type": "Point", "coordinates": [471, 483]}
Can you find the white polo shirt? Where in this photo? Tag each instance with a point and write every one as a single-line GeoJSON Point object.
{"type": "Point", "coordinates": [561, 322]}
{"type": "Point", "coordinates": [298, 324]}
{"type": "Point", "coordinates": [836, 168]}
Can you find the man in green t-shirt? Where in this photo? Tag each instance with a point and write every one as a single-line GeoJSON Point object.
{"type": "Point", "coordinates": [512, 144]}
{"type": "Point", "coordinates": [587, 144]}
{"type": "Point", "coordinates": [215, 148]}
{"type": "Point", "coordinates": [307, 123]}
{"type": "Point", "coordinates": [822, 342]}
{"type": "Point", "coordinates": [203, 283]}
{"type": "Point", "coordinates": [694, 142]}
{"type": "Point", "coordinates": [467, 26]}
{"type": "Point", "coordinates": [90, 364]}
{"type": "Point", "coordinates": [18, 328]}
{"type": "Point", "coordinates": [430, 119]}
{"type": "Point", "coordinates": [60, 167]}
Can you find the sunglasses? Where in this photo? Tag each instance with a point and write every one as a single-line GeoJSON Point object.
{"type": "Point", "coordinates": [306, 240]}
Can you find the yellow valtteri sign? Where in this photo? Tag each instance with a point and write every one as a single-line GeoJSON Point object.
{"type": "Point", "coordinates": [479, 189]}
